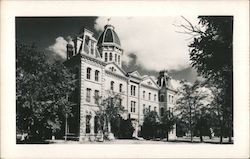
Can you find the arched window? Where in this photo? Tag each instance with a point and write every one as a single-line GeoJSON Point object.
{"type": "Point", "coordinates": [112, 85]}
{"type": "Point", "coordinates": [96, 75]}
{"type": "Point", "coordinates": [155, 109]}
{"type": "Point", "coordinates": [120, 88]}
{"type": "Point", "coordinates": [119, 59]}
{"type": "Point", "coordinates": [149, 108]}
{"type": "Point", "coordinates": [110, 57]}
{"type": "Point", "coordinates": [143, 94]}
{"type": "Point", "coordinates": [161, 111]}
{"type": "Point", "coordinates": [96, 126]}
{"type": "Point", "coordinates": [106, 57]}
{"type": "Point", "coordinates": [155, 97]}
{"type": "Point", "coordinates": [149, 96]}
{"type": "Point", "coordinates": [88, 72]}
{"type": "Point", "coordinates": [115, 57]}
{"type": "Point", "coordinates": [162, 98]}
{"type": "Point", "coordinates": [88, 117]}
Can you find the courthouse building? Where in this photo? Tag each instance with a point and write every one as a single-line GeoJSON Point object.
{"type": "Point", "coordinates": [98, 63]}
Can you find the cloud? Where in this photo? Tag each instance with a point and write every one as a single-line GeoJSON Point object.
{"type": "Point", "coordinates": [59, 47]}
{"type": "Point", "coordinates": [153, 40]}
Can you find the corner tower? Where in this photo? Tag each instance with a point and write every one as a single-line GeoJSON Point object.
{"type": "Point", "coordinates": [109, 46]}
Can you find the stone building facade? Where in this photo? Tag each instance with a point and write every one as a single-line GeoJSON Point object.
{"type": "Point", "coordinates": [99, 67]}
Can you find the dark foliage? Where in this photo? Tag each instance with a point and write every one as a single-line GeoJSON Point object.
{"type": "Point", "coordinates": [42, 89]}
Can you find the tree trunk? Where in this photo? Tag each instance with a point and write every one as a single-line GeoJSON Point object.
{"type": "Point", "coordinates": [201, 136]}
{"type": "Point", "coordinates": [191, 135]}
{"type": "Point", "coordinates": [167, 136]}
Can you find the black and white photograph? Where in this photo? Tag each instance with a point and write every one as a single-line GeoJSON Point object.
{"type": "Point", "coordinates": [97, 80]}
{"type": "Point", "coordinates": [124, 79]}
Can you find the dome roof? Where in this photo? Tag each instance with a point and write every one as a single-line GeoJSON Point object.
{"type": "Point", "coordinates": [108, 36]}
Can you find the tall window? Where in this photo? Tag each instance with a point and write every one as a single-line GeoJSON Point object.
{"type": "Point", "coordinates": [88, 72]}
{"type": "Point", "coordinates": [155, 109]}
{"type": "Point", "coordinates": [161, 111]}
{"type": "Point", "coordinates": [88, 95]}
{"type": "Point", "coordinates": [132, 106]}
{"type": "Point", "coordinates": [110, 57]}
{"type": "Point", "coordinates": [106, 57]}
{"type": "Point", "coordinates": [96, 75]}
{"type": "Point", "coordinates": [120, 102]}
{"type": "Point", "coordinates": [143, 94]}
{"type": "Point", "coordinates": [162, 98]}
{"type": "Point", "coordinates": [120, 88]}
{"type": "Point", "coordinates": [132, 90]}
{"type": "Point", "coordinates": [149, 108]}
{"type": "Point", "coordinates": [155, 97]}
{"type": "Point", "coordinates": [149, 96]}
{"type": "Point", "coordinates": [96, 96]}
{"type": "Point", "coordinates": [88, 117]}
{"type": "Point", "coordinates": [96, 126]}
{"type": "Point", "coordinates": [112, 85]}
{"type": "Point", "coordinates": [144, 109]}
{"type": "Point", "coordinates": [115, 57]}
{"type": "Point", "coordinates": [118, 59]}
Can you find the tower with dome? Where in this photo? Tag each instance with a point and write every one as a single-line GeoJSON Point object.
{"type": "Point", "coordinates": [98, 65]}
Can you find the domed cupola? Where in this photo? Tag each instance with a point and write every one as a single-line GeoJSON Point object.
{"type": "Point", "coordinates": [109, 45]}
{"type": "Point", "coordinates": [109, 37]}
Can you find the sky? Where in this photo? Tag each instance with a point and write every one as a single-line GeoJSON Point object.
{"type": "Point", "coordinates": [150, 44]}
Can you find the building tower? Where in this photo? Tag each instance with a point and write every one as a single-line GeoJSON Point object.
{"type": "Point", "coordinates": [109, 46]}
{"type": "Point", "coordinates": [166, 96]}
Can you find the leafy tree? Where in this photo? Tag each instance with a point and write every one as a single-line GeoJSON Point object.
{"type": "Point", "coordinates": [211, 54]}
{"type": "Point", "coordinates": [168, 121]}
{"type": "Point", "coordinates": [41, 92]}
{"type": "Point", "coordinates": [190, 105]}
{"type": "Point", "coordinates": [150, 125]}
{"type": "Point", "coordinates": [110, 109]}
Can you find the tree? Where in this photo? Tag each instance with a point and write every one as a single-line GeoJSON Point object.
{"type": "Point", "coordinates": [150, 125]}
{"type": "Point", "coordinates": [211, 54]}
{"type": "Point", "coordinates": [110, 109]}
{"type": "Point", "coordinates": [190, 105]}
{"type": "Point", "coordinates": [168, 121]}
{"type": "Point", "coordinates": [41, 92]}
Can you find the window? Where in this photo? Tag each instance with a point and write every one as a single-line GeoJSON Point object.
{"type": "Point", "coordinates": [172, 99]}
{"type": "Point", "coordinates": [92, 48]}
{"type": "Point", "coordinates": [132, 90]}
{"type": "Point", "coordinates": [155, 109]}
{"type": "Point", "coordinates": [118, 59]}
{"type": "Point", "coordinates": [115, 57]}
{"type": "Point", "coordinates": [88, 73]}
{"type": "Point", "coordinates": [106, 57]}
{"type": "Point", "coordinates": [149, 96]}
{"type": "Point", "coordinates": [112, 85]}
{"type": "Point", "coordinates": [161, 111]}
{"type": "Point", "coordinates": [162, 98]}
{"type": "Point", "coordinates": [96, 126]}
{"type": "Point", "coordinates": [149, 108]}
{"type": "Point", "coordinates": [155, 97]}
{"type": "Point", "coordinates": [120, 102]}
{"type": "Point", "coordinates": [88, 95]}
{"type": "Point", "coordinates": [144, 109]}
{"type": "Point", "coordinates": [132, 106]}
{"type": "Point", "coordinates": [110, 56]}
{"type": "Point", "coordinates": [96, 75]}
{"type": "Point", "coordinates": [120, 88]}
{"type": "Point", "coordinates": [96, 96]}
{"type": "Point", "coordinates": [88, 117]}
{"type": "Point", "coordinates": [143, 94]}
